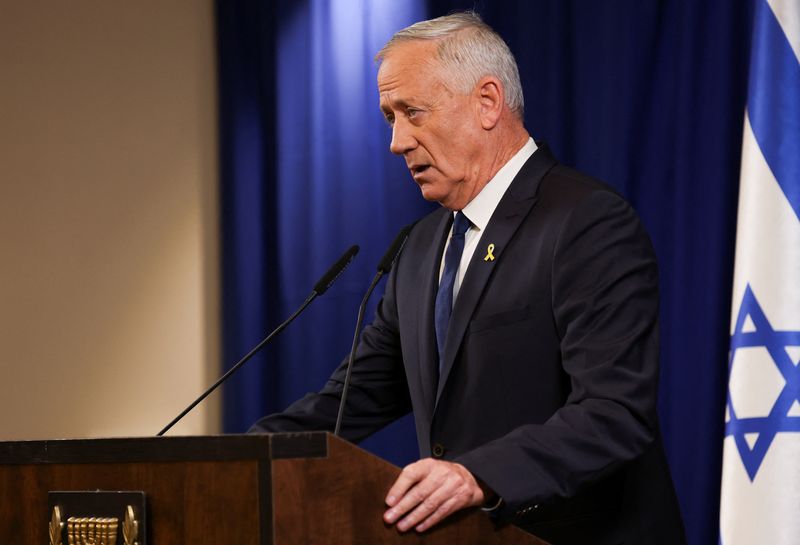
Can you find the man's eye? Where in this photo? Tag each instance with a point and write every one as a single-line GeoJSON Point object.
{"type": "Point", "coordinates": [389, 119]}
{"type": "Point", "coordinates": [411, 113]}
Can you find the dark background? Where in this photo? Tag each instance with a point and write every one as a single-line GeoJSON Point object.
{"type": "Point", "coordinates": [646, 95]}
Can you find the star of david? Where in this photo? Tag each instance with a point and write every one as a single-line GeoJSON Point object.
{"type": "Point", "coordinates": [758, 332]}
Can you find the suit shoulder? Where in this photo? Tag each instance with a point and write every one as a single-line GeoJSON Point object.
{"type": "Point", "coordinates": [563, 183]}
{"type": "Point", "coordinates": [569, 197]}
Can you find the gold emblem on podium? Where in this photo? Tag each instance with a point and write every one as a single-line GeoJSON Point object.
{"type": "Point", "coordinates": [130, 527]}
{"type": "Point", "coordinates": [56, 526]}
{"type": "Point", "coordinates": [94, 530]}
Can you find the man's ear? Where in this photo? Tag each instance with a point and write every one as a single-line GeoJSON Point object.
{"type": "Point", "coordinates": [491, 100]}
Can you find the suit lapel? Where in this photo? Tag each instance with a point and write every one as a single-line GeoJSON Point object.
{"type": "Point", "coordinates": [512, 209]}
{"type": "Point", "coordinates": [428, 352]}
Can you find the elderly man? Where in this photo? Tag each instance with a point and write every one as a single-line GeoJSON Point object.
{"type": "Point", "coordinates": [520, 323]}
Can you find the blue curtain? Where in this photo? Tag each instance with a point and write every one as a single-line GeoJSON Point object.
{"type": "Point", "coordinates": [646, 95]}
{"type": "Point", "coordinates": [305, 173]}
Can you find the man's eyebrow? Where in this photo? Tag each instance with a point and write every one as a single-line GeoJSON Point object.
{"type": "Point", "coordinates": [398, 103]}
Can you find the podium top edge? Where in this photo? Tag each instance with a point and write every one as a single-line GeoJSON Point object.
{"type": "Point", "coordinates": [260, 447]}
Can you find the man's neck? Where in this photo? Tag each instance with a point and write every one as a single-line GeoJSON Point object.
{"type": "Point", "coordinates": [505, 147]}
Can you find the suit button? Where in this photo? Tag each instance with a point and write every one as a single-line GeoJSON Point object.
{"type": "Point", "coordinates": [438, 450]}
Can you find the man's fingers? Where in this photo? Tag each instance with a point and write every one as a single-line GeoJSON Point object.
{"type": "Point", "coordinates": [440, 502]}
{"type": "Point", "coordinates": [418, 495]}
{"type": "Point", "coordinates": [428, 491]}
{"type": "Point", "coordinates": [444, 510]}
{"type": "Point", "coordinates": [410, 475]}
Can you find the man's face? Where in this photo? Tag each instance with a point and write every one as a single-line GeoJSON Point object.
{"type": "Point", "coordinates": [437, 130]}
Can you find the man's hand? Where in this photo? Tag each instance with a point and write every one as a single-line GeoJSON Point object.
{"type": "Point", "coordinates": [429, 490]}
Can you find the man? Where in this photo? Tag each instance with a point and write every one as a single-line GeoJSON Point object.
{"type": "Point", "coordinates": [519, 323]}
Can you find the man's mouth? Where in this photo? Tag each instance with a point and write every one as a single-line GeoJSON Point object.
{"type": "Point", "coordinates": [418, 169]}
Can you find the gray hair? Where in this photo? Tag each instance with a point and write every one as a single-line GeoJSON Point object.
{"type": "Point", "coordinates": [470, 50]}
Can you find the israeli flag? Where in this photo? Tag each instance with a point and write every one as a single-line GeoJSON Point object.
{"type": "Point", "coordinates": [760, 500]}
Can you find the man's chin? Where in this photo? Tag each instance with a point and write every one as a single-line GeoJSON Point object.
{"type": "Point", "coordinates": [434, 192]}
{"type": "Point", "coordinates": [429, 193]}
{"type": "Point", "coordinates": [443, 199]}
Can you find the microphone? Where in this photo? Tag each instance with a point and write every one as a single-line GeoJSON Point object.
{"type": "Point", "coordinates": [391, 255]}
{"type": "Point", "coordinates": [335, 271]}
{"type": "Point", "coordinates": [320, 287]}
{"type": "Point", "coordinates": [384, 266]}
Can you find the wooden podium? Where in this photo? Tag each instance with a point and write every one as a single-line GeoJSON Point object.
{"type": "Point", "coordinates": [281, 489]}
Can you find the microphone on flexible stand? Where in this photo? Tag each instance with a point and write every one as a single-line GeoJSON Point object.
{"type": "Point", "coordinates": [384, 267]}
{"type": "Point", "coordinates": [320, 287]}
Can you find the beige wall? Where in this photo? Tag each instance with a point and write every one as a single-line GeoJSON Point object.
{"type": "Point", "coordinates": [108, 303]}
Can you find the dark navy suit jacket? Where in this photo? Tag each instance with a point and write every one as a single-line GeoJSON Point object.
{"type": "Point", "coordinates": [548, 389]}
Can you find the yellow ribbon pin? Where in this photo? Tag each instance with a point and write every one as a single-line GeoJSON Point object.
{"type": "Point", "coordinates": [489, 254]}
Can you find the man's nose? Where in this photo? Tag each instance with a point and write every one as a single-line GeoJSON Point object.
{"type": "Point", "coordinates": [402, 138]}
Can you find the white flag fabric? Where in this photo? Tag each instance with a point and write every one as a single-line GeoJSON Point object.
{"type": "Point", "coordinates": [760, 497]}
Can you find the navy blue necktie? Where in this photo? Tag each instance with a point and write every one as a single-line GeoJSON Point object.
{"type": "Point", "coordinates": [444, 297]}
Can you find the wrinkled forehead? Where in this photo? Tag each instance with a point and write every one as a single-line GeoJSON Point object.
{"type": "Point", "coordinates": [417, 88]}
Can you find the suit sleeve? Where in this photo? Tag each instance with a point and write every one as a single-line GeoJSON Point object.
{"type": "Point", "coordinates": [605, 308]}
{"type": "Point", "coordinates": [378, 391]}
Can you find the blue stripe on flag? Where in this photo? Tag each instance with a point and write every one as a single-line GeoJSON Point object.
{"type": "Point", "coordinates": [774, 102]}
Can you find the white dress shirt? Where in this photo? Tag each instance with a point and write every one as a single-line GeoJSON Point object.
{"type": "Point", "coordinates": [480, 209]}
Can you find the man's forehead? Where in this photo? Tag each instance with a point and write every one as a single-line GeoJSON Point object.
{"type": "Point", "coordinates": [409, 65]}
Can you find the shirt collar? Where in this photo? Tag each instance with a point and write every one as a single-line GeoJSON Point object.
{"type": "Point", "coordinates": [480, 209]}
